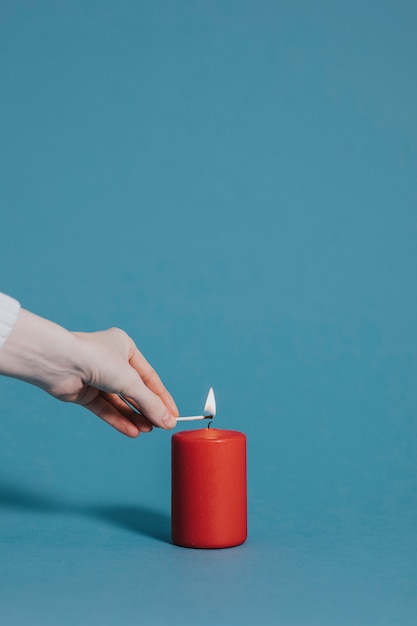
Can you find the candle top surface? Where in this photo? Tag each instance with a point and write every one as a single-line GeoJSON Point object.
{"type": "Point", "coordinates": [208, 434]}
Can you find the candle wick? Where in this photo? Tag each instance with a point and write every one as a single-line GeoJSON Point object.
{"type": "Point", "coordinates": [209, 424]}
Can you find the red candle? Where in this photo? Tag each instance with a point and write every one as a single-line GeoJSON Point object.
{"type": "Point", "coordinates": [209, 501]}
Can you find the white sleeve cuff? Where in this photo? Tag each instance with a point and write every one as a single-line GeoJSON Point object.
{"type": "Point", "coordinates": [9, 312]}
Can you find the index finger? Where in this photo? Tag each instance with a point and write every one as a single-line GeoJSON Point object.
{"type": "Point", "coordinates": [152, 380]}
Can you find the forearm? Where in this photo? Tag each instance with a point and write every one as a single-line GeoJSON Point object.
{"type": "Point", "coordinates": [39, 351]}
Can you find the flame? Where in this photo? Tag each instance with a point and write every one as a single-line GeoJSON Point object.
{"type": "Point", "coordinates": [210, 406]}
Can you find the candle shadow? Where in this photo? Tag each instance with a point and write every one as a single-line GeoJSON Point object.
{"type": "Point", "coordinates": [136, 519]}
{"type": "Point", "coordinates": [19, 498]}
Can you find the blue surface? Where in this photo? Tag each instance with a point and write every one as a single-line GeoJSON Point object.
{"type": "Point", "coordinates": [233, 183]}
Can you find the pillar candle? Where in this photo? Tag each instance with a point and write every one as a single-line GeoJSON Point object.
{"type": "Point", "coordinates": [209, 501]}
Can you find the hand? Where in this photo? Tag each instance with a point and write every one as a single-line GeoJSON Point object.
{"type": "Point", "coordinates": [90, 369]}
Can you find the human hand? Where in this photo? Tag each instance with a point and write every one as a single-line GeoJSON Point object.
{"type": "Point", "coordinates": [114, 365]}
{"type": "Point", "coordinates": [90, 369]}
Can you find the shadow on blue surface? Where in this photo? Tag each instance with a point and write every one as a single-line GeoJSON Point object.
{"type": "Point", "coordinates": [21, 498]}
{"type": "Point", "coordinates": [138, 519]}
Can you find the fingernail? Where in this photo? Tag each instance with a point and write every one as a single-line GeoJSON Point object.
{"type": "Point", "coordinates": [169, 421]}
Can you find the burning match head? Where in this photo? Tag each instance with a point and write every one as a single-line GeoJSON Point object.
{"type": "Point", "coordinates": [210, 406]}
{"type": "Point", "coordinates": [209, 410]}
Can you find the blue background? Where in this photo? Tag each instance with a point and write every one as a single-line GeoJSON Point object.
{"type": "Point", "coordinates": [234, 184]}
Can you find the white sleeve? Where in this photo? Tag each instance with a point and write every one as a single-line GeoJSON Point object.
{"type": "Point", "coordinates": [9, 312]}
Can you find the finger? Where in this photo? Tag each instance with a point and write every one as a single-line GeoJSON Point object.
{"type": "Point", "coordinates": [106, 411]}
{"type": "Point", "coordinates": [143, 424]}
{"type": "Point", "coordinates": [152, 380]}
{"type": "Point", "coordinates": [150, 404]}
